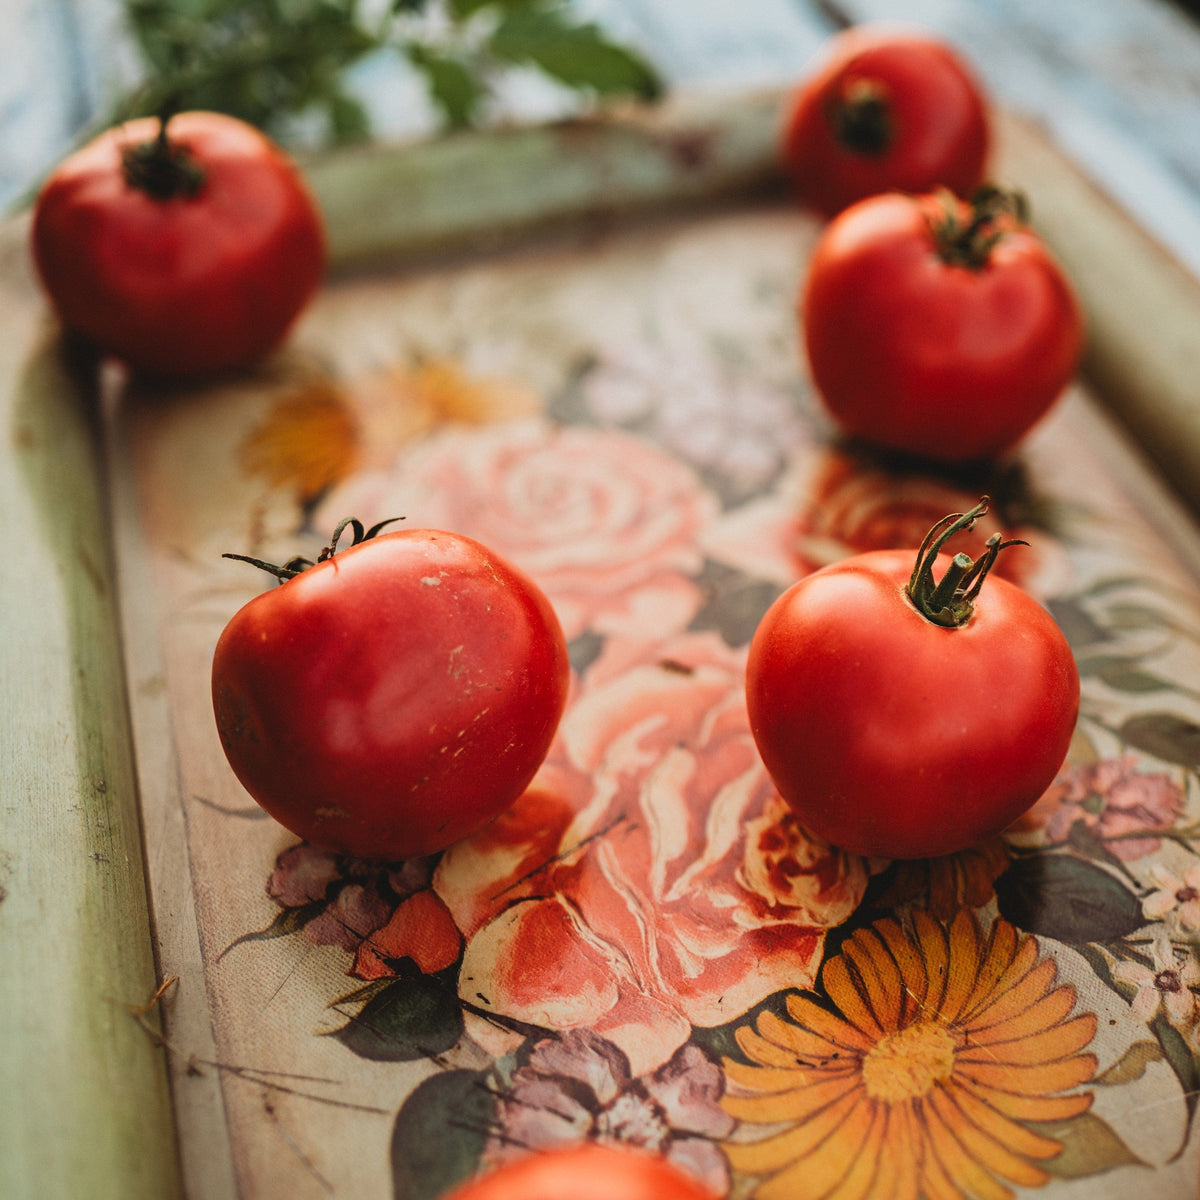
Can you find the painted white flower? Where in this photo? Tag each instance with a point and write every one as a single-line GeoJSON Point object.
{"type": "Point", "coordinates": [1178, 896]}
{"type": "Point", "coordinates": [1166, 986]}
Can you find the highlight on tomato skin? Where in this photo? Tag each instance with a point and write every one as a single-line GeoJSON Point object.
{"type": "Point", "coordinates": [885, 108]}
{"type": "Point", "coordinates": [906, 704]}
{"type": "Point", "coordinates": [392, 697]}
{"type": "Point", "coordinates": [588, 1171]}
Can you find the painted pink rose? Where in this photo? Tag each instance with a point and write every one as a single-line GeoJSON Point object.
{"type": "Point", "coordinates": [1114, 800]}
{"type": "Point", "coordinates": [603, 521]}
{"type": "Point", "coordinates": [652, 880]}
{"type": "Point", "coordinates": [843, 506]}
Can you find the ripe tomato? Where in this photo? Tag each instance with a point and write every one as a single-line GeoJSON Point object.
{"type": "Point", "coordinates": [902, 718]}
{"type": "Point", "coordinates": [937, 328]}
{"type": "Point", "coordinates": [885, 110]}
{"type": "Point", "coordinates": [393, 697]}
{"type": "Point", "coordinates": [585, 1172]}
{"type": "Point", "coordinates": [182, 249]}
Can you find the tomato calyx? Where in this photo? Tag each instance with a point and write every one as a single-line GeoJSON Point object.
{"type": "Point", "coordinates": [968, 242]}
{"type": "Point", "coordinates": [950, 601]}
{"type": "Point", "coordinates": [162, 168]}
{"type": "Point", "coordinates": [861, 118]}
{"type": "Point", "coordinates": [294, 566]}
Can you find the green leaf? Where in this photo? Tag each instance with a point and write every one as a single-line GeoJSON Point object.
{"type": "Point", "coordinates": [1122, 673]}
{"type": "Point", "coordinates": [1079, 627]}
{"type": "Point", "coordinates": [1165, 736]}
{"type": "Point", "coordinates": [1137, 616]}
{"type": "Point", "coordinates": [578, 55]}
{"type": "Point", "coordinates": [1181, 1061]}
{"type": "Point", "coordinates": [1068, 899]}
{"type": "Point", "coordinates": [452, 86]}
{"type": "Point", "coordinates": [440, 1133]}
{"type": "Point", "coordinates": [287, 922]}
{"type": "Point", "coordinates": [260, 60]}
{"type": "Point", "coordinates": [414, 1017]}
{"type": "Point", "coordinates": [462, 9]}
{"type": "Point", "coordinates": [1131, 1065]}
{"type": "Point", "coordinates": [1090, 1145]}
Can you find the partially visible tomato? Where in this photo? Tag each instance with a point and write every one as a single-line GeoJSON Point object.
{"type": "Point", "coordinates": [903, 717]}
{"type": "Point", "coordinates": [183, 249]}
{"type": "Point", "coordinates": [938, 328]}
{"type": "Point", "coordinates": [395, 696]}
{"type": "Point", "coordinates": [589, 1171]}
{"type": "Point", "coordinates": [885, 110]}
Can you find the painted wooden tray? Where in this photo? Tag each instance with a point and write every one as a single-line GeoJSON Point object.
{"type": "Point", "coordinates": [577, 344]}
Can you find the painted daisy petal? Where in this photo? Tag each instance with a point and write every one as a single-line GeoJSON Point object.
{"type": "Point", "coordinates": [1052, 1008]}
{"type": "Point", "coordinates": [813, 1018]}
{"type": "Point", "coordinates": [849, 991]}
{"type": "Point", "coordinates": [796, 1105]}
{"type": "Point", "coordinates": [1026, 1107]}
{"type": "Point", "coordinates": [820, 1174]}
{"type": "Point", "coordinates": [880, 975]}
{"type": "Point", "coordinates": [774, 1153]}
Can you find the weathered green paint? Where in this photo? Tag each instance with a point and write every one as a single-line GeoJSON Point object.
{"type": "Point", "coordinates": [84, 1107]}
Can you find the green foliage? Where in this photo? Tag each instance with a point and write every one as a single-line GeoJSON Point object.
{"type": "Point", "coordinates": [268, 61]}
{"type": "Point", "coordinates": [261, 60]}
{"type": "Point", "coordinates": [439, 1134]}
{"type": "Point", "coordinates": [1068, 899]}
{"type": "Point", "coordinates": [1090, 1147]}
{"type": "Point", "coordinates": [415, 1016]}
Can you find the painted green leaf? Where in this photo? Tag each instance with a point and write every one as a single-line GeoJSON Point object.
{"type": "Point", "coordinates": [415, 1017]}
{"type": "Point", "coordinates": [1067, 898]}
{"type": "Point", "coordinates": [1122, 674]}
{"type": "Point", "coordinates": [1141, 616]}
{"type": "Point", "coordinates": [1090, 1145]}
{"type": "Point", "coordinates": [1079, 627]}
{"type": "Point", "coordinates": [440, 1133]}
{"type": "Point", "coordinates": [288, 921]}
{"type": "Point", "coordinates": [578, 55]}
{"type": "Point", "coordinates": [1181, 1060]}
{"type": "Point", "coordinates": [1164, 735]}
{"type": "Point", "coordinates": [1132, 1064]}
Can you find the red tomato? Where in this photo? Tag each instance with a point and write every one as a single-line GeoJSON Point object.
{"type": "Point", "coordinates": [181, 259]}
{"type": "Point", "coordinates": [937, 328]}
{"type": "Point", "coordinates": [395, 696]}
{"type": "Point", "coordinates": [585, 1172]}
{"type": "Point", "coordinates": [891, 734]}
{"type": "Point", "coordinates": [885, 110]}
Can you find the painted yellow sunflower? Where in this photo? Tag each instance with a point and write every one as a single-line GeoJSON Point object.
{"type": "Point", "coordinates": [950, 1041]}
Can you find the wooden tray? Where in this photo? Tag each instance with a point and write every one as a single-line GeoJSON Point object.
{"type": "Point", "coordinates": [600, 313]}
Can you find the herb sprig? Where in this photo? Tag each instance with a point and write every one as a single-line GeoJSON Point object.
{"type": "Point", "coordinates": [270, 61]}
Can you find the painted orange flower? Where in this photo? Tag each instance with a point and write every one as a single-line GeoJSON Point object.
{"type": "Point", "coordinates": [949, 1043]}
{"type": "Point", "coordinates": [318, 434]}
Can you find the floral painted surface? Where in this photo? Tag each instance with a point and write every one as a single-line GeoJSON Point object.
{"type": "Point", "coordinates": [648, 948]}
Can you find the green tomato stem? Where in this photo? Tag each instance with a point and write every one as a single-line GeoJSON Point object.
{"type": "Point", "coordinates": [969, 243]}
{"type": "Point", "coordinates": [950, 601]}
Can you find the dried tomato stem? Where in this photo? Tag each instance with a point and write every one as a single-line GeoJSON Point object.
{"type": "Point", "coordinates": [950, 601]}
{"type": "Point", "coordinates": [294, 566]}
{"type": "Point", "coordinates": [162, 168]}
{"type": "Point", "coordinates": [862, 120]}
